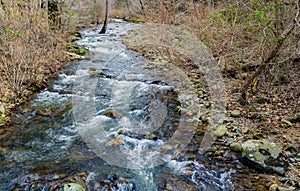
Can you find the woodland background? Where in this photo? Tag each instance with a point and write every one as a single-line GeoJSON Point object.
{"type": "Point", "coordinates": [254, 42]}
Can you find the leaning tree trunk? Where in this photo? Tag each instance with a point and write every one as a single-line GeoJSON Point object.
{"type": "Point", "coordinates": [104, 27]}
{"type": "Point", "coordinates": [263, 66]}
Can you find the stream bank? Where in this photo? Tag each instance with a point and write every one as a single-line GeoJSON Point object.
{"type": "Point", "coordinates": [112, 102]}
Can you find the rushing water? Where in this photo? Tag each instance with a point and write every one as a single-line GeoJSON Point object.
{"type": "Point", "coordinates": [105, 114]}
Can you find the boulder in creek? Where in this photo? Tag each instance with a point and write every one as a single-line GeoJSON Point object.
{"type": "Point", "coordinates": [264, 155]}
{"type": "Point", "coordinates": [114, 142]}
{"type": "Point", "coordinates": [113, 114]}
{"type": "Point", "coordinates": [73, 187]}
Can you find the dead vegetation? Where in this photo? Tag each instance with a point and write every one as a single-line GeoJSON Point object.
{"type": "Point", "coordinates": [254, 43]}
{"type": "Point", "coordinates": [35, 37]}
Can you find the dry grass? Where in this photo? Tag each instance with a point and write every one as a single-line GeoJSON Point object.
{"type": "Point", "coordinates": [28, 49]}
{"type": "Point", "coordinates": [31, 51]}
{"type": "Point", "coordinates": [239, 33]}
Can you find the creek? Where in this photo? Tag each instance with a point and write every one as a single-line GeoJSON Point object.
{"type": "Point", "coordinates": [108, 116]}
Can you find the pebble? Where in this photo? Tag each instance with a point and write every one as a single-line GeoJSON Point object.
{"type": "Point", "coordinates": [289, 154]}
{"type": "Point", "coordinates": [229, 141]}
{"type": "Point", "coordinates": [188, 173]}
{"type": "Point", "coordinates": [260, 188]}
{"type": "Point", "coordinates": [236, 147]}
{"type": "Point", "coordinates": [2, 109]}
{"type": "Point", "coordinates": [228, 120]}
{"type": "Point", "coordinates": [212, 149]}
{"type": "Point", "coordinates": [116, 141]}
{"type": "Point", "coordinates": [292, 160]}
{"type": "Point", "coordinates": [245, 130]}
{"type": "Point", "coordinates": [235, 113]}
{"type": "Point", "coordinates": [221, 131]}
{"type": "Point", "coordinates": [220, 152]}
{"type": "Point", "coordinates": [273, 187]}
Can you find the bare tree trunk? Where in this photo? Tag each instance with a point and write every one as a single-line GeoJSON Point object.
{"type": "Point", "coordinates": [142, 5]}
{"type": "Point", "coordinates": [54, 13]}
{"type": "Point", "coordinates": [263, 66]}
{"type": "Point", "coordinates": [2, 5]}
{"type": "Point", "coordinates": [104, 27]}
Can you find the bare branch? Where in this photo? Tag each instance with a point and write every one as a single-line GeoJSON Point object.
{"type": "Point", "coordinates": [297, 14]}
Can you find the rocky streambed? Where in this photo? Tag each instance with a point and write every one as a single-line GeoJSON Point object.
{"type": "Point", "coordinates": [115, 121]}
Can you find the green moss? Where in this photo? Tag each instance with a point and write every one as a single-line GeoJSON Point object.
{"type": "Point", "coordinates": [76, 49]}
{"type": "Point", "coordinates": [134, 20]}
{"type": "Point", "coordinates": [178, 109]}
{"type": "Point", "coordinates": [73, 187]}
{"type": "Point", "coordinates": [95, 74]}
{"type": "Point", "coordinates": [257, 134]}
{"type": "Point", "coordinates": [4, 120]}
{"type": "Point", "coordinates": [260, 100]}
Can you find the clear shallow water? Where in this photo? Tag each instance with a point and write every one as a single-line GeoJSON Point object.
{"type": "Point", "coordinates": [106, 114]}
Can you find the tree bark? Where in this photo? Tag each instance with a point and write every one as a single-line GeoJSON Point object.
{"type": "Point", "coordinates": [54, 13]}
{"type": "Point", "coordinates": [262, 67]}
{"type": "Point", "coordinates": [104, 27]}
{"type": "Point", "coordinates": [142, 5]}
{"type": "Point", "coordinates": [44, 5]}
{"type": "Point", "coordinates": [3, 5]}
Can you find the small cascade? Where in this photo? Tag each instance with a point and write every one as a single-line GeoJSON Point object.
{"type": "Point", "coordinates": [108, 114]}
{"type": "Point", "coordinates": [207, 179]}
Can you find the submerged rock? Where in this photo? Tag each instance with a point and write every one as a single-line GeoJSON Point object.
{"type": "Point", "coordinates": [113, 114]}
{"type": "Point", "coordinates": [81, 181]}
{"type": "Point", "coordinates": [116, 141]}
{"type": "Point", "coordinates": [264, 155]}
{"type": "Point", "coordinates": [173, 183]}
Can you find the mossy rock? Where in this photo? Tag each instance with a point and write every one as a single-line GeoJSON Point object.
{"type": "Point", "coordinates": [264, 155]}
{"type": "Point", "coordinates": [221, 131]}
{"type": "Point", "coordinates": [95, 74]}
{"type": "Point", "coordinates": [133, 20]}
{"type": "Point", "coordinates": [73, 187]}
{"type": "Point", "coordinates": [236, 147]}
{"type": "Point", "coordinates": [4, 120]}
{"type": "Point", "coordinates": [77, 49]}
{"type": "Point", "coordinates": [113, 114]}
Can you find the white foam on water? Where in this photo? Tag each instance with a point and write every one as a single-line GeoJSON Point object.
{"type": "Point", "coordinates": [204, 178]}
